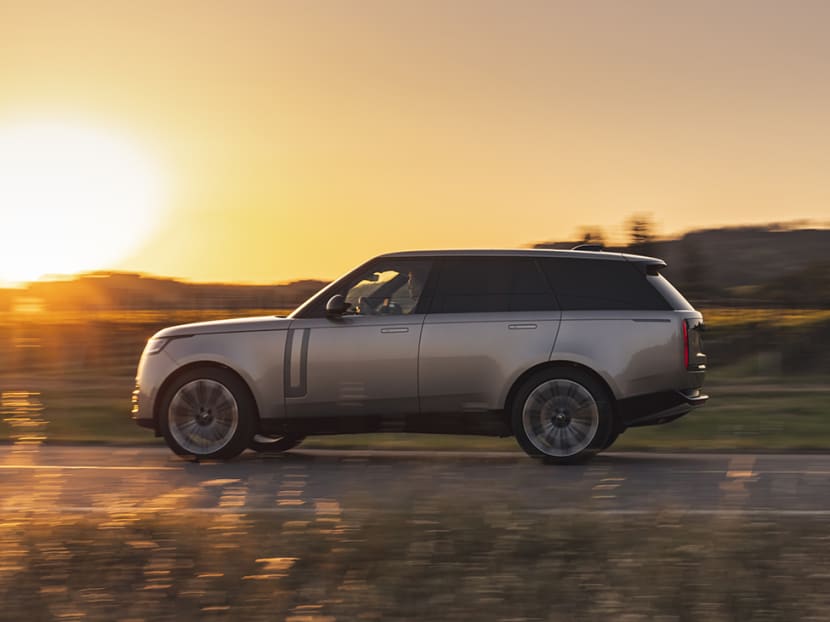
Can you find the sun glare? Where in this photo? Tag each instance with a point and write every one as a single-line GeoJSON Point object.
{"type": "Point", "coordinates": [72, 198]}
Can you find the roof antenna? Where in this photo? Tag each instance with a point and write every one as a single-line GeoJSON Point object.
{"type": "Point", "coordinates": [587, 247]}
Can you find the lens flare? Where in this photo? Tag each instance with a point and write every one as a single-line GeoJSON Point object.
{"type": "Point", "coordinates": [72, 198]}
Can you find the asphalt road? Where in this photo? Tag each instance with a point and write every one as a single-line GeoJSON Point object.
{"type": "Point", "coordinates": [111, 480]}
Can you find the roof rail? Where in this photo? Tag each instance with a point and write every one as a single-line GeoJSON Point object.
{"type": "Point", "coordinates": [587, 247]}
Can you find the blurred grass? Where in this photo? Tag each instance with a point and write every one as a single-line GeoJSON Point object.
{"type": "Point", "coordinates": [430, 562]}
{"type": "Point", "coordinates": [788, 418]}
{"type": "Point", "coordinates": [731, 420]}
{"type": "Point", "coordinates": [743, 420]}
{"type": "Point", "coordinates": [731, 317]}
{"type": "Point", "coordinates": [165, 317]}
{"type": "Point", "coordinates": [82, 367]}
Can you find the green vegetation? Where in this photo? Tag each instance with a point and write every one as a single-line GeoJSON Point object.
{"type": "Point", "coordinates": [429, 562]}
{"type": "Point", "coordinates": [746, 418]}
{"type": "Point", "coordinates": [731, 317]}
{"type": "Point", "coordinates": [733, 420]}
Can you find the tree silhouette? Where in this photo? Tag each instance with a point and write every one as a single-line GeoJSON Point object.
{"type": "Point", "coordinates": [591, 235]}
{"type": "Point", "coordinates": [693, 267]}
{"type": "Point", "coordinates": [641, 234]}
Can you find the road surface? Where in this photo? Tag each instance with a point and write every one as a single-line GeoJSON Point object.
{"type": "Point", "coordinates": [107, 479]}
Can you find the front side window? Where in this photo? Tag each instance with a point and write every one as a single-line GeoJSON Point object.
{"type": "Point", "coordinates": [388, 288]}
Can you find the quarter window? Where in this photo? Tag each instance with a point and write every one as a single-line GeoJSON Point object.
{"type": "Point", "coordinates": [597, 284]}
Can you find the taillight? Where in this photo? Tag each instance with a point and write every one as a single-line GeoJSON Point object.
{"type": "Point", "coordinates": [693, 357]}
{"type": "Point", "coordinates": [685, 344]}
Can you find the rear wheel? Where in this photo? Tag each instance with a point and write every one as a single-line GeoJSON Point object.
{"type": "Point", "coordinates": [208, 412]}
{"type": "Point", "coordinates": [562, 415]}
{"type": "Point", "coordinates": [610, 440]}
{"type": "Point", "coordinates": [274, 443]}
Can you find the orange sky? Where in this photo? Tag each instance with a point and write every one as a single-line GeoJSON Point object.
{"type": "Point", "coordinates": [300, 138]}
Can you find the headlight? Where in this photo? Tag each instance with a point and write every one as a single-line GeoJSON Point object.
{"type": "Point", "coordinates": [156, 345]}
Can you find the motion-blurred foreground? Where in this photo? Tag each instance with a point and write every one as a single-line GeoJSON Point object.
{"type": "Point", "coordinates": [125, 534]}
{"type": "Point", "coordinates": [458, 565]}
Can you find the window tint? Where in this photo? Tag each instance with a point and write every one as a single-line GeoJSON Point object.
{"type": "Point", "coordinates": [391, 287]}
{"type": "Point", "coordinates": [673, 297]}
{"type": "Point", "coordinates": [596, 284]}
{"type": "Point", "coordinates": [488, 284]}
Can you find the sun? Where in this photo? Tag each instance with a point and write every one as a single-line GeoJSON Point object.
{"type": "Point", "coordinates": [72, 198]}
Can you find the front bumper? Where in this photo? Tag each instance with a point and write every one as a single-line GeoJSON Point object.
{"type": "Point", "coordinates": [137, 411]}
{"type": "Point", "coordinates": [657, 408]}
{"type": "Point", "coordinates": [152, 371]}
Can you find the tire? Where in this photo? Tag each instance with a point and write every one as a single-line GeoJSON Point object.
{"type": "Point", "coordinates": [562, 415]}
{"type": "Point", "coordinates": [208, 412]}
{"type": "Point", "coordinates": [274, 444]}
{"type": "Point", "coordinates": [613, 436]}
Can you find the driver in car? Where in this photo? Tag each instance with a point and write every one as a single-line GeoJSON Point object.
{"type": "Point", "coordinates": [400, 303]}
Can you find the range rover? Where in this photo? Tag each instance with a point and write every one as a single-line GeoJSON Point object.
{"type": "Point", "coordinates": [564, 350]}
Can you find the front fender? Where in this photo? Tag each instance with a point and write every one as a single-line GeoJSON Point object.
{"type": "Point", "coordinates": [256, 356]}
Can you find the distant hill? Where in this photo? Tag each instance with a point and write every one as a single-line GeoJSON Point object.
{"type": "Point", "coordinates": [119, 290]}
{"type": "Point", "coordinates": [747, 255]}
{"type": "Point", "coordinates": [745, 265]}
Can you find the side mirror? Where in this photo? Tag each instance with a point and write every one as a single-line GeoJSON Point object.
{"type": "Point", "coordinates": [337, 306]}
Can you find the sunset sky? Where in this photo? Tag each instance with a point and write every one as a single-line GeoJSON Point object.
{"type": "Point", "coordinates": [267, 141]}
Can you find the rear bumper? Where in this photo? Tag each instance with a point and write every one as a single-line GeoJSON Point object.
{"type": "Point", "coordinates": [657, 408]}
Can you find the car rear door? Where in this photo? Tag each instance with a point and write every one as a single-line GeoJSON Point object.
{"type": "Point", "coordinates": [492, 318]}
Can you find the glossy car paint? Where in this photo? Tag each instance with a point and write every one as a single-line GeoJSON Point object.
{"type": "Point", "coordinates": [468, 361]}
{"type": "Point", "coordinates": [252, 347]}
{"type": "Point", "coordinates": [634, 352]}
{"type": "Point", "coordinates": [305, 367]}
{"type": "Point", "coordinates": [355, 365]}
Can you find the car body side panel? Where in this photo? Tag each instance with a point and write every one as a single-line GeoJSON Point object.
{"type": "Point", "coordinates": [353, 366]}
{"type": "Point", "coordinates": [257, 356]}
{"type": "Point", "coordinates": [469, 361]}
{"type": "Point", "coordinates": [635, 352]}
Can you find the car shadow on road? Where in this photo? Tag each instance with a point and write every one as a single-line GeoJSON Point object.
{"type": "Point", "coordinates": [332, 457]}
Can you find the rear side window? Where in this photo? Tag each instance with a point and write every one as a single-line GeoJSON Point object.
{"type": "Point", "coordinates": [491, 284]}
{"type": "Point", "coordinates": [594, 284]}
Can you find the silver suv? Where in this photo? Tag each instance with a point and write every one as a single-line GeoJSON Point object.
{"type": "Point", "coordinates": [562, 349]}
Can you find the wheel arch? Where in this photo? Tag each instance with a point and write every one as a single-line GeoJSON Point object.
{"type": "Point", "coordinates": [175, 374]}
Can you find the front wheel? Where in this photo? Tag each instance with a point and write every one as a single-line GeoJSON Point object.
{"type": "Point", "coordinates": [208, 412]}
{"type": "Point", "coordinates": [562, 415]}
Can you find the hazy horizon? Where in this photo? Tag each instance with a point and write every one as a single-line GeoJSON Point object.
{"type": "Point", "coordinates": [798, 225]}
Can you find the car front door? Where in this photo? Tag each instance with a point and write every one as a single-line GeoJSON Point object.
{"type": "Point", "coordinates": [364, 362]}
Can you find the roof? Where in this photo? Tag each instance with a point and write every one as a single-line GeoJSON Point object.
{"type": "Point", "coordinates": [528, 252]}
